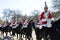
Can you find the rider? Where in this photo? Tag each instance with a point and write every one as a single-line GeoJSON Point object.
{"type": "Point", "coordinates": [15, 24]}
{"type": "Point", "coordinates": [25, 23]}
{"type": "Point", "coordinates": [46, 19]}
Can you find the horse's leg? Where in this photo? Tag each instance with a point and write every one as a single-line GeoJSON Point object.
{"type": "Point", "coordinates": [6, 33]}
{"type": "Point", "coordinates": [37, 32]}
{"type": "Point", "coordinates": [25, 37]}
{"type": "Point", "coordinates": [3, 33]}
{"type": "Point", "coordinates": [13, 33]}
{"type": "Point", "coordinates": [26, 34]}
{"type": "Point", "coordinates": [41, 34]}
{"type": "Point", "coordinates": [49, 31]}
{"type": "Point", "coordinates": [9, 33]}
{"type": "Point", "coordinates": [20, 37]}
{"type": "Point", "coordinates": [45, 33]}
{"type": "Point", "coordinates": [17, 35]}
{"type": "Point", "coordinates": [29, 36]}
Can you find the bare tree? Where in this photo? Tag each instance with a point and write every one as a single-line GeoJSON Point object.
{"type": "Point", "coordinates": [36, 13]}
{"type": "Point", "coordinates": [56, 4]}
{"type": "Point", "coordinates": [11, 14]}
{"type": "Point", "coordinates": [16, 15]}
{"type": "Point", "coordinates": [6, 14]}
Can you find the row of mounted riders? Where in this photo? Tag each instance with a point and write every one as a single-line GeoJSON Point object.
{"type": "Point", "coordinates": [19, 30]}
{"type": "Point", "coordinates": [52, 33]}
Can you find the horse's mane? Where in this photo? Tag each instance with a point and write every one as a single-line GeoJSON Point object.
{"type": "Point", "coordinates": [56, 23]}
{"type": "Point", "coordinates": [57, 20]}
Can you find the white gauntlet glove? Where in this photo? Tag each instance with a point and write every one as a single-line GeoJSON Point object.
{"type": "Point", "coordinates": [40, 27]}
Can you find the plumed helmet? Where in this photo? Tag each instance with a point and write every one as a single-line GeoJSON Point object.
{"type": "Point", "coordinates": [46, 5]}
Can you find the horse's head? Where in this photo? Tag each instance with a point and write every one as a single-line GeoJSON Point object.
{"type": "Point", "coordinates": [31, 23]}
{"type": "Point", "coordinates": [56, 25]}
{"type": "Point", "coordinates": [56, 22]}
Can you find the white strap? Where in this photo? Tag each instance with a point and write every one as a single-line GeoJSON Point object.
{"type": "Point", "coordinates": [37, 26]}
{"type": "Point", "coordinates": [40, 27]}
{"type": "Point", "coordinates": [44, 19]}
{"type": "Point", "coordinates": [15, 26]}
{"type": "Point", "coordinates": [24, 26]}
{"type": "Point", "coordinates": [49, 23]}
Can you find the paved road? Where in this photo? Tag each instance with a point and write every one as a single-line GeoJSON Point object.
{"type": "Point", "coordinates": [10, 37]}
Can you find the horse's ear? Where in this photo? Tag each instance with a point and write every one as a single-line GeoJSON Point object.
{"type": "Point", "coordinates": [52, 22]}
{"type": "Point", "coordinates": [59, 19]}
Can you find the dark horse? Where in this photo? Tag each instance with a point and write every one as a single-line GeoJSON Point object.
{"type": "Point", "coordinates": [37, 32]}
{"type": "Point", "coordinates": [52, 33]}
{"type": "Point", "coordinates": [55, 30]}
{"type": "Point", "coordinates": [29, 29]}
{"type": "Point", "coordinates": [6, 29]}
{"type": "Point", "coordinates": [17, 30]}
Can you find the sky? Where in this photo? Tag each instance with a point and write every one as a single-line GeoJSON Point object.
{"type": "Point", "coordinates": [26, 6]}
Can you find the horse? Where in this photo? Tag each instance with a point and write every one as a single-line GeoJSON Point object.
{"type": "Point", "coordinates": [14, 30]}
{"type": "Point", "coordinates": [29, 29]}
{"type": "Point", "coordinates": [55, 31]}
{"type": "Point", "coordinates": [37, 33]}
{"type": "Point", "coordinates": [19, 30]}
{"type": "Point", "coordinates": [5, 29]}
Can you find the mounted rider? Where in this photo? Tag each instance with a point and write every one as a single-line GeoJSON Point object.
{"type": "Point", "coordinates": [25, 23]}
{"type": "Point", "coordinates": [14, 24]}
{"type": "Point", "coordinates": [46, 18]}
